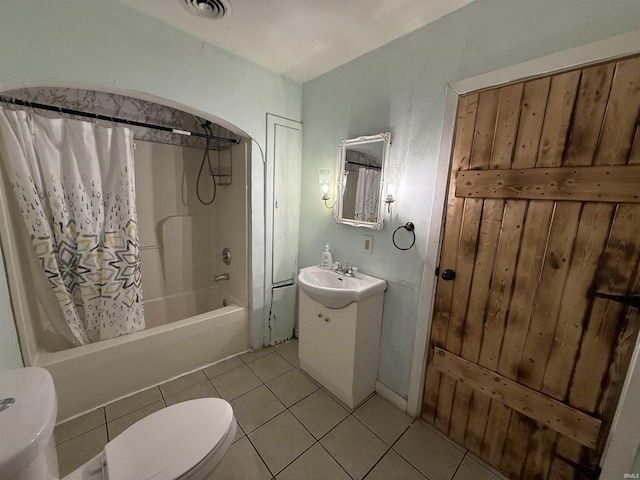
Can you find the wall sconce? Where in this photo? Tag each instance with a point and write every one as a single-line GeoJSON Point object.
{"type": "Point", "coordinates": [391, 174]}
{"type": "Point", "coordinates": [324, 178]}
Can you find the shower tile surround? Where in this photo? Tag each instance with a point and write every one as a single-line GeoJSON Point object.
{"type": "Point", "coordinates": [289, 427]}
{"type": "Point", "coordinates": [181, 240]}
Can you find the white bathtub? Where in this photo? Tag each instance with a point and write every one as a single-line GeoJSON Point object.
{"type": "Point", "coordinates": [184, 332]}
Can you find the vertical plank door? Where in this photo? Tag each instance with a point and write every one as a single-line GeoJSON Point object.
{"type": "Point", "coordinates": [536, 317]}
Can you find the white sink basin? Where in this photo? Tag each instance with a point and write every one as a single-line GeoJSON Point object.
{"type": "Point", "coordinates": [335, 290]}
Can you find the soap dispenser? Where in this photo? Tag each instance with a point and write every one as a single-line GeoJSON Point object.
{"type": "Point", "coordinates": [326, 261]}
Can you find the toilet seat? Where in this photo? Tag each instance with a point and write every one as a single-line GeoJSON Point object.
{"type": "Point", "coordinates": [172, 443]}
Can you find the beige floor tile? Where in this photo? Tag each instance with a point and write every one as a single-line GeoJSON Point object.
{"type": "Point", "coordinates": [131, 403]}
{"type": "Point", "coordinates": [442, 435]}
{"type": "Point", "coordinates": [235, 382]}
{"type": "Point", "coordinates": [241, 462]}
{"type": "Point", "coordinates": [200, 390]}
{"type": "Point", "coordinates": [251, 356]}
{"type": "Point", "coordinates": [222, 367]}
{"type": "Point", "coordinates": [354, 447]}
{"type": "Point", "coordinates": [319, 413]}
{"type": "Point", "coordinates": [435, 457]}
{"type": "Point", "coordinates": [340, 402]}
{"type": "Point", "coordinates": [280, 441]}
{"type": "Point", "coordinates": [269, 367]}
{"type": "Point", "coordinates": [291, 387]}
{"type": "Point", "coordinates": [182, 383]}
{"type": "Point", "coordinates": [309, 377]}
{"type": "Point", "coordinates": [80, 425]}
{"type": "Point", "coordinates": [472, 470]}
{"type": "Point", "coordinates": [393, 465]}
{"type": "Point", "coordinates": [289, 351]}
{"type": "Point", "coordinates": [347, 448]}
{"type": "Point", "coordinates": [79, 449]}
{"type": "Point", "coordinates": [492, 469]}
{"type": "Point", "coordinates": [384, 419]}
{"type": "Point", "coordinates": [315, 464]}
{"type": "Point", "coordinates": [255, 408]}
{"type": "Point", "coordinates": [119, 425]}
{"type": "Point", "coordinates": [239, 433]}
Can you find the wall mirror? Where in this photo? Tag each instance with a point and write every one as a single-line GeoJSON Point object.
{"type": "Point", "coordinates": [359, 179]}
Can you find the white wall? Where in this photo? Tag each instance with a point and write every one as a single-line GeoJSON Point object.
{"type": "Point", "coordinates": [104, 45]}
{"type": "Point", "coordinates": [400, 87]}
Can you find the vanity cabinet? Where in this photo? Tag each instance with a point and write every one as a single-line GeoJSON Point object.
{"type": "Point", "coordinates": [339, 347]}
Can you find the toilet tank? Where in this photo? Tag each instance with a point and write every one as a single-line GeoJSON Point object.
{"type": "Point", "coordinates": [28, 406]}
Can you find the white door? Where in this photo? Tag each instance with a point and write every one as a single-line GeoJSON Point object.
{"type": "Point", "coordinates": [287, 171]}
{"type": "Point", "coordinates": [284, 170]}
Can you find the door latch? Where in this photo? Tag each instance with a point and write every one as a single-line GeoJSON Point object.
{"type": "Point", "coordinates": [448, 274]}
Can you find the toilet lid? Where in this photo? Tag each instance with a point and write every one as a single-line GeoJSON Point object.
{"type": "Point", "coordinates": [170, 442]}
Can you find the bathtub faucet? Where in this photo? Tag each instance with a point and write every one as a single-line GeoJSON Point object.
{"type": "Point", "coordinates": [224, 276]}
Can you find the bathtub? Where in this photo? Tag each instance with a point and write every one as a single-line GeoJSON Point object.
{"type": "Point", "coordinates": [184, 333]}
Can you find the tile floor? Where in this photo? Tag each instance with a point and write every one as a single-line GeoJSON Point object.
{"type": "Point", "coordinates": [290, 428]}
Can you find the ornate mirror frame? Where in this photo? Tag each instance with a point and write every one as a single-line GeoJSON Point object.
{"type": "Point", "coordinates": [385, 139]}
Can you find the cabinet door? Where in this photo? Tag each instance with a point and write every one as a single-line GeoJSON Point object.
{"type": "Point", "coordinates": [327, 341]}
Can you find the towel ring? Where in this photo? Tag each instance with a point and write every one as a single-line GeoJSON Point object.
{"type": "Point", "coordinates": [409, 227]}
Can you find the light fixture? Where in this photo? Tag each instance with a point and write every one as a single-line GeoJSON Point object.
{"type": "Point", "coordinates": [391, 174]}
{"type": "Point", "coordinates": [324, 178]}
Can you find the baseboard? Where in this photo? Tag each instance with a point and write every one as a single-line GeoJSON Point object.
{"type": "Point", "coordinates": [391, 396]}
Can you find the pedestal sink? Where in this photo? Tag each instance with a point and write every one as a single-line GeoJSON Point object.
{"type": "Point", "coordinates": [336, 290]}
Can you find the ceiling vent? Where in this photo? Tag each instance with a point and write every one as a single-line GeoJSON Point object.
{"type": "Point", "coordinates": [206, 8]}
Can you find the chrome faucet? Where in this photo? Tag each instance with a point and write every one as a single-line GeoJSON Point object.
{"type": "Point", "coordinates": [224, 276]}
{"type": "Point", "coordinates": [344, 269]}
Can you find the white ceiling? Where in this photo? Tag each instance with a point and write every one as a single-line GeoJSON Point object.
{"type": "Point", "coordinates": [303, 39]}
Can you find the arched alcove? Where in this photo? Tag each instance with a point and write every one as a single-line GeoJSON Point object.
{"type": "Point", "coordinates": [182, 239]}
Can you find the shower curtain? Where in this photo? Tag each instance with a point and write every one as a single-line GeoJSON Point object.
{"type": "Point", "coordinates": [74, 185]}
{"type": "Point", "coordinates": [367, 194]}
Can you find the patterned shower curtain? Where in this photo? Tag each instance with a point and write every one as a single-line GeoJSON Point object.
{"type": "Point", "coordinates": [74, 184]}
{"type": "Point", "coordinates": [367, 194]}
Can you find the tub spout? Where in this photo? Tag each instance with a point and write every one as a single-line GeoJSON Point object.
{"type": "Point", "coordinates": [224, 276]}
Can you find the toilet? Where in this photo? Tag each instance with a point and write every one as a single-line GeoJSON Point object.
{"type": "Point", "coordinates": [185, 441]}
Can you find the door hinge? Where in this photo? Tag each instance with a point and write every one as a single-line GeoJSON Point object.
{"type": "Point", "coordinates": [629, 300]}
{"type": "Point", "coordinates": [583, 470]}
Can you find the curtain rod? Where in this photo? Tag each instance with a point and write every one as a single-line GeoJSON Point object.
{"type": "Point", "coordinates": [68, 111]}
{"type": "Point", "coordinates": [372, 167]}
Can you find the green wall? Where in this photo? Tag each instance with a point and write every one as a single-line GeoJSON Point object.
{"type": "Point", "coordinates": [105, 45]}
{"type": "Point", "coordinates": [400, 87]}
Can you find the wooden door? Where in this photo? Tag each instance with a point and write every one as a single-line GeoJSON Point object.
{"type": "Point", "coordinates": [531, 340]}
